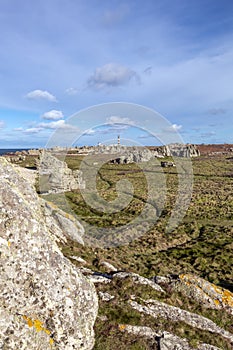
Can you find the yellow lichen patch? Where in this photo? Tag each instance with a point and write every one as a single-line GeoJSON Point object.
{"type": "Point", "coordinates": [227, 298]}
{"type": "Point", "coordinates": [9, 244]}
{"type": "Point", "coordinates": [52, 205]}
{"type": "Point", "coordinates": [122, 327]}
{"type": "Point", "coordinates": [51, 341]}
{"type": "Point", "coordinates": [69, 216]}
{"type": "Point", "coordinates": [37, 324]}
{"type": "Point", "coordinates": [29, 321]}
{"type": "Point", "coordinates": [218, 294]}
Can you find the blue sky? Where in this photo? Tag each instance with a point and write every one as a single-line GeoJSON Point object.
{"type": "Point", "coordinates": [60, 57]}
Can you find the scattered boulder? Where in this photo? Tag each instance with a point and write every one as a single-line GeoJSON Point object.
{"type": "Point", "coordinates": [105, 296]}
{"type": "Point", "coordinates": [109, 267]}
{"type": "Point", "coordinates": [56, 177]}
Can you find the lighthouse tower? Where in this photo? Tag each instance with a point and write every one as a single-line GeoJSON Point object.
{"type": "Point", "coordinates": [118, 140]}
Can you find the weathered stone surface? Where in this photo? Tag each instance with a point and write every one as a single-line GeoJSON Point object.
{"type": "Point", "coordinates": [205, 292]}
{"type": "Point", "coordinates": [180, 150]}
{"type": "Point", "coordinates": [29, 175]}
{"type": "Point", "coordinates": [63, 225]}
{"type": "Point", "coordinates": [105, 296]}
{"type": "Point", "coordinates": [170, 341]}
{"type": "Point", "coordinates": [141, 331]}
{"type": "Point", "coordinates": [109, 267]}
{"type": "Point", "coordinates": [124, 155]}
{"type": "Point", "coordinates": [45, 302]}
{"type": "Point", "coordinates": [56, 177]}
{"type": "Point", "coordinates": [143, 154]}
{"type": "Point", "coordinates": [156, 308]}
{"type": "Point", "coordinates": [137, 279]}
{"type": "Point", "coordinates": [163, 340]}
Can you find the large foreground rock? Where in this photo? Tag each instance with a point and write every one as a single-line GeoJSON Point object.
{"type": "Point", "coordinates": [45, 302]}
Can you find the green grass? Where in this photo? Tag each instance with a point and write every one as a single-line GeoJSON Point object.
{"type": "Point", "coordinates": [202, 244]}
{"type": "Point", "coordinates": [117, 311]}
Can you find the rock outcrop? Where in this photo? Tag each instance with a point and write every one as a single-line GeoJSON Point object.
{"type": "Point", "coordinates": [124, 154]}
{"type": "Point", "coordinates": [128, 290]}
{"type": "Point", "coordinates": [202, 290]}
{"type": "Point", "coordinates": [135, 154]}
{"type": "Point", "coordinates": [178, 150]}
{"type": "Point", "coordinates": [45, 301]}
{"type": "Point", "coordinates": [56, 177]}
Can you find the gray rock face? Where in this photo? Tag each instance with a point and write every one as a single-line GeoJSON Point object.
{"type": "Point", "coordinates": [63, 225]}
{"type": "Point", "coordinates": [156, 308]}
{"type": "Point", "coordinates": [56, 177]}
{"type": "Point", "coordinates": [180, 150]}
{"type": "Point", "coordinates": [124, 155]}
{"type": "Point", "coordinates": [164, 341]}
{"type": "Point", "coordinates": [45, 302]}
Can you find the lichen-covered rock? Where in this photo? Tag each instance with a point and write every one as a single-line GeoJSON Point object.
{"type": "Point", "coordinates": [206, 292]}
{"type": "Point", "coordinates": [45, 302]}
{"type": "Point", "coordinates": [164, 340]}
{"type": "Point", "coordinates": [61, 224]}
{"type": "Point", "coordinates": [55, 176]}
{"type": "Point", "coordinates": [180, 150]}
{"type": "Point", "coordinates": [170, 341]}
{"type": "Point", "coordinates": [124, 154]}
{"type": "Point", "coordinates": [157, 308]}
{"type": "Point", "coordinates": [137, 279]}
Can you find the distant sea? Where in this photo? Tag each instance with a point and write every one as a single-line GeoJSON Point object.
{"type": "Point", "coordinates": [9, 150]}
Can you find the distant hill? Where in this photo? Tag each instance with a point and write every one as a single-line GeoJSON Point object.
{"type": "Point", "coordinates": [215, 148]}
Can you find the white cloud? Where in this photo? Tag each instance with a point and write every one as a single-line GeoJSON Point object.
{"type": "Point", "coordinates": [111, 75]}
{"type": "Point", "coordinates": [61, 124]}
{"type": "Point", "coordinates": [2, 124]}
{"type": "Point", "coordinates": [53, 125]}
{"type": "Point", "coordinates": [32, 130]}
{"type": "Point", "coordinates": [53, 115]}
{"type": "Point", "coordinates": [71, 91]}
{"type": "Point", "coordinates": [41, 95]}
{"type": "Point", "coordinates": [119, 120]}
{"type": "Point", "coordinates": [173, 128]}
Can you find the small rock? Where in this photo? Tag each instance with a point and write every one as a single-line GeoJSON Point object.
{"type": "Point", "coordinates": [105, 296]}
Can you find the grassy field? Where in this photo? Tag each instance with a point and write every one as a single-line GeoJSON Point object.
{"type": "Point", "coordinates": [203, 241]}
{"type": "Point", "coordinates": [202, 244]}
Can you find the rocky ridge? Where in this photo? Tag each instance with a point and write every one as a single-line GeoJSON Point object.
{"type": "Point", "coordinates": [45, 301]}
{"type": "Point", "coordinates": [120, 287]}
